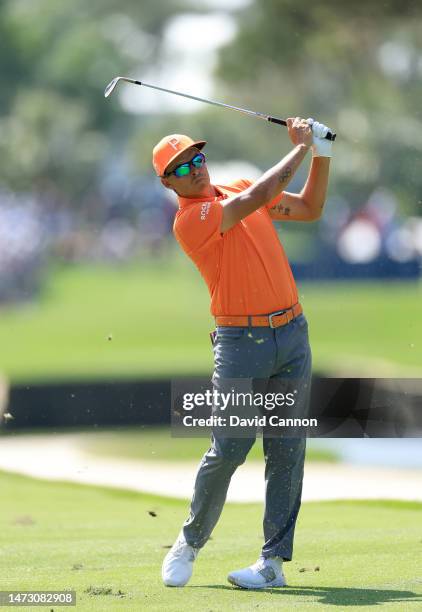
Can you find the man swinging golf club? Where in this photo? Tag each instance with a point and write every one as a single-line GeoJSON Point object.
{"type": "Point", "coordinates": [261, 332]}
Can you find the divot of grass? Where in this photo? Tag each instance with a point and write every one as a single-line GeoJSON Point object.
{"type": "Point", "coordinates": [95, 591]}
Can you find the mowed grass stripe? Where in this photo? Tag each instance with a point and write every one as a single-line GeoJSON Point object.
{"type": "Point", "coordinates": [153, 320]}
{"type": "Point", "coordinates": [105, 545]}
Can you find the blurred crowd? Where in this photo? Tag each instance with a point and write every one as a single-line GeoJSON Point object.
{"type": "Point", "coordinates": [34, 233]}
{"type": "Point", "coordinates": [135, 221]}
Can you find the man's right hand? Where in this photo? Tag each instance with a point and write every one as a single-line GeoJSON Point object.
{"type": "Point", "coordinates": [300, 132]}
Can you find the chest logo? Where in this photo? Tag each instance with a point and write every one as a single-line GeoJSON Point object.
{"type": "Point", "coordinates": [205, 209]}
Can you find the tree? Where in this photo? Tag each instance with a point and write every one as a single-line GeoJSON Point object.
{"type": "Point", "coordinates": [356, 66]}
{"type": "Point", "coordinates": [56, 59]}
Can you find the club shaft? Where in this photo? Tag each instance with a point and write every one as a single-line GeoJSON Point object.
{"type": "Point", "coordinates": [183, 95]}
{"type": "Point", "coordinates": [245, 111]}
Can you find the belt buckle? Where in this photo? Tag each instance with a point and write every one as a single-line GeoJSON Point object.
{"type": "Point", "coordinates": [275, 314]}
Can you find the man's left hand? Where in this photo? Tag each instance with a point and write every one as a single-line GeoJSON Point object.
{"type": "Point", "coordinates": [321, 147]}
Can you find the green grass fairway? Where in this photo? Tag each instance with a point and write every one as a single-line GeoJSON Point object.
{"type": "Point", "coordinates": [105, 545]}
{"type": "Point", "coordinates": [153, 320]}
{"type": "Point", "coordinates": [156, 444]}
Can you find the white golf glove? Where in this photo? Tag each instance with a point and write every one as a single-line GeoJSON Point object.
{"type": "Point", "coordinates": [321, 147]}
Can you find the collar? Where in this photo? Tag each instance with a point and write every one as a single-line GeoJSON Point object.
{"type": "Point", "coordinates": [189, 201]}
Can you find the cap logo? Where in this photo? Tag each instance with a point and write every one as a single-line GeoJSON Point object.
{"type": "Point", "coordinates": [174, 142]}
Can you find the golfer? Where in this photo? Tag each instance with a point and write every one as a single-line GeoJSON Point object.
{"type": "Point", "coordinates": [261, 332]}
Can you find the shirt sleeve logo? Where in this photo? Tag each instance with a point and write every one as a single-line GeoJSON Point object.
{"type": "Point", "coordinates": [205, 209]}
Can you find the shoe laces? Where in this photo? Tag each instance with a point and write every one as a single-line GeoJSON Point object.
{"type": "Point", "coordinates": [183, 549]}
{"type": "Point", "coordinates": [262, 563]}
{"type": "Point", "coordinates": [258, 565]}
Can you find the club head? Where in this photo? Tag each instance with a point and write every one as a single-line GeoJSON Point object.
{"type": "Point", "coordinates": [111, 86]}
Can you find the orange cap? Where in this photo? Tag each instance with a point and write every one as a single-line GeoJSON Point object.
{"type": "Point", "coordinates": [169, 148]}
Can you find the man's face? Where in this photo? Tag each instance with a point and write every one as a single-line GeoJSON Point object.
{"type": "Point", "coordinates": [196, 184]}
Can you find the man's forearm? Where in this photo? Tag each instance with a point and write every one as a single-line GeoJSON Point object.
{"type": "Point", "coordinates": [271, 184]}
{"type": "Point", "coordinates": [314, 192]}
{"type": "Point", "coordinates": [276, 179]}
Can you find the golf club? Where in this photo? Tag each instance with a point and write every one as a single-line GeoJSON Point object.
{"type": "Point", "coordinates": [112, 85]}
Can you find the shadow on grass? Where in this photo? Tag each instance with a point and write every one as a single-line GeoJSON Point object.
{"type": "Point", "coordinates": [333, 596]}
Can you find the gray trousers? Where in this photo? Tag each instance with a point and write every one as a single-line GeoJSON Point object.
{"type": "Point", "coordinates": [271, 355]}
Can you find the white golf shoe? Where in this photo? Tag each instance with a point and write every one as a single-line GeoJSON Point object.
{"type": "Point", "coordinates": [178, 563]}
{"type": "Point", "coordinates": [263, 574]}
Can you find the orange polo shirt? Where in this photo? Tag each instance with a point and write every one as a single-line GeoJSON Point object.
{"type": "Point", "coordinates": [246, 268]}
